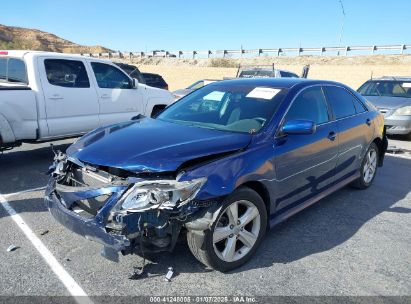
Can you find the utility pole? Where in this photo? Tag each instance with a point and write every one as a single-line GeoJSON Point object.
{"type": "Point", "coordinates": [342, 24]}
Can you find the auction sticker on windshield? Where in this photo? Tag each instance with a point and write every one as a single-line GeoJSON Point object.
{"type": "Point", "coordinates": [263, 93]}
{"type": "Point", "coordinates": [406, 85]}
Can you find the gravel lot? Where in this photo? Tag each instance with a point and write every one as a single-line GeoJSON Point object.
{"type": "Point", "coordinates": [351, 243]}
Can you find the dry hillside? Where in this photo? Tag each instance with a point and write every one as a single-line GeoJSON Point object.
{"type": "Point", "coordinates": [353, 71]}
{"type": "Point", "coordinates": [18, 38]}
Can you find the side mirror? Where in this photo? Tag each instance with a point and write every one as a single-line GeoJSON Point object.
{"type": "Point", "coordinates": [135, 83]}
{"type": "Point", "coordinates": [299, 127]}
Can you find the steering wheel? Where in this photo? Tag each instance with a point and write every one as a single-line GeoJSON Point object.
{"type": "Point", "coordinates": [261, 120]}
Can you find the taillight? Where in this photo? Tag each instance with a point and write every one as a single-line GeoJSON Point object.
{"type": "Point", "coordinates": [4, 53]}
{"type": "Point", "coordinates": [166, 87]}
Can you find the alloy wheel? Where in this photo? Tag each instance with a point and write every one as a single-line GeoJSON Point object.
{"type": "Point", "coordinates": [370, 165]}
{"type": "Point", "coordinates": [236, 231]}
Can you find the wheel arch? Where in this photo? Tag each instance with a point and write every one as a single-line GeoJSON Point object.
{"type": "Point", "coordinates": [156, 109]}
{"type": "Point", "coordinates": [382, 145]}
{"type": "Point", "coordinates": [263, 192]}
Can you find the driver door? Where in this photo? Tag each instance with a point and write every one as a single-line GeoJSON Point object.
{"type": "Point", "coordinates": [305, 163]}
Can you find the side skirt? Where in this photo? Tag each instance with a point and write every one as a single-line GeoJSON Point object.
{"type": "Point", "coordinates": [283, 216]}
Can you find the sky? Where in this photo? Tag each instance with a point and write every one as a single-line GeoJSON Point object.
{"type": "Point", "coordinates": [214, 24]}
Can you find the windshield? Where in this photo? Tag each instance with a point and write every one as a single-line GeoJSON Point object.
{"type": "Point", "coordinates": [234, 108]}
{"type": "Point", "coordinates": [386, 88]}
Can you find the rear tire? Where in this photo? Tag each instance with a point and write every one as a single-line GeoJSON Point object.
{"type": "Point", "coordinates": [236, 233]}
{"type": "Point", "coordinates": [368, 169]}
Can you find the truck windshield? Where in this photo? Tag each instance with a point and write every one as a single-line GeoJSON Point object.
{"type": "Point", "coordinates": [257, 74]}
{"type": "Point", "coordinates": [13, 70]}
{"type": "Point", "coordinates": [386, 88]}
{"type": "Point", "coordinates": [233, 108]}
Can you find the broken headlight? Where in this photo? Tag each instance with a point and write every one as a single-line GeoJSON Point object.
{"type": "Point", "coordinates": [160, 194]}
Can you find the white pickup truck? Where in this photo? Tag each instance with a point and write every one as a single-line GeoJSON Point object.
{"type": "Point", "coordinates": [47, 96]}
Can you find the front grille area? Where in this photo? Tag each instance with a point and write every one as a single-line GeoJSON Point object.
{"type": "Point", "coordinates": [84, 178]}
{"type": "Point", "coordinates": [92, 205]}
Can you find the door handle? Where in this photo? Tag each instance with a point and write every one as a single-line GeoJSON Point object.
{"type": "Point", "coordinates": [105, 96]}
{"type": "Point", "coordinates": [332, 135]}
{"type": "Point", "coordinates": [56, 96]}
{"type": "Point", "coordinates": [368, 122]}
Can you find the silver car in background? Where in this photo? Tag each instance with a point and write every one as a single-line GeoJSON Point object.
{"type": "Point", "coordinates": [191, 88]}
{"type": "Point", "coordinates": [392, 97]}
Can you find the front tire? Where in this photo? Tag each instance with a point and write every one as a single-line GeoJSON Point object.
{"type": "Point", "coordinates": [235, 234]}
{"type": "Point", "coordinates": [368, 169]}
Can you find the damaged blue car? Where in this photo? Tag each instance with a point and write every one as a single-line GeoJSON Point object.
{"type": "Point", "coordinates": [222, 165]}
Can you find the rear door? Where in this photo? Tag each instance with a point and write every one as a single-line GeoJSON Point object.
{"type": "Point", "coordinates": [119, 100]}
{"type": "Point", "coordinates": [354, 128]}
{"type": "Point", "coordinates": [71, 103]}
{"type": "Point", "coordinates": [305, 163]}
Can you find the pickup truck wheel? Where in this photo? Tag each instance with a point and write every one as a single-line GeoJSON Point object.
{"type": "Point", "coordinates": [368, 168]}
{"type": "Point", "coordinates": [235, 234]}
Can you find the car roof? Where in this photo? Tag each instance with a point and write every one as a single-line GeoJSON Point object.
{"type": "Point", "coordinates": [392, 78]}
{"type": "Point", "coordinates": [33, 54]}
{"type": "Point", "coordinates": [286, 83]}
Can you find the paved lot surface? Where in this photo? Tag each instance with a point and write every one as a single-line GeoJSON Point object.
{"type": "Point", "coordinates": [351, 243]}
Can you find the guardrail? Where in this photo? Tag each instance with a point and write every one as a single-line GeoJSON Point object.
{"type": "Point", "coordinates": [319, 51]}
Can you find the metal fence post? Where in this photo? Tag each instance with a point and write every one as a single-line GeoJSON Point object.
{"type": "Point", "coordinates": [209, 53]}
{"type": "Point", "coordinates": [402, 49]}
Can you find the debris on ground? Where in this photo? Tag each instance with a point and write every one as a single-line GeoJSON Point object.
{"type": "Point", "coordinates": [393, 149]}
{"type": "Point", "coordinates": [169, 274]}
{"type": "Point", "coordinates": [12, 248]}
{"type": "Point", "coordinates": [137, 273]}
{"type": "Point", "coordinates": [44, 232]}
{"type": "Point", "coordinates": [68, 259]}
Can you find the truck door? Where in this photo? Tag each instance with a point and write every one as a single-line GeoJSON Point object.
{"type": "Point", "coordinates": [71, 103]}
{"type": "Point", "coordinates": [119, 100]}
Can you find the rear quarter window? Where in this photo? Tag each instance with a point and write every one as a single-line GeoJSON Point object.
{"type": "Point", "coordinates": [13, 70]}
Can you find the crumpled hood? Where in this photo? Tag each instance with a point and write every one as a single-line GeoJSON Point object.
{"type": "Point", "coordinates": [152, 145]}
{"type": "Point", "coordinates": [386, 102]}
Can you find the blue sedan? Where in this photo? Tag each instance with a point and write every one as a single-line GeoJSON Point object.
{"type": "Point", "coordinates": [223, 164]}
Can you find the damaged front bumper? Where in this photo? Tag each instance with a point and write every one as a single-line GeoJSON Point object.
{"type": "Point", "coordinates": [90, 228]}
{"type": "Point", "coordinates": [85, 200]}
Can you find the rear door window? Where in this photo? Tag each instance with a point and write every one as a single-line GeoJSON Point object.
{"type": "Point", "coordinates": [110, 77]}
{"type": "Point", "coordinates": [13, 70]}
{"type": "Point", "coordinates": [342, 102]}
{"type": "Point", "coordinates": [66, 73]}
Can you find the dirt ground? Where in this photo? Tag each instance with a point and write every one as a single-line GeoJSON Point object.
{"type": "Point", "coordinates": [353, 71]}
